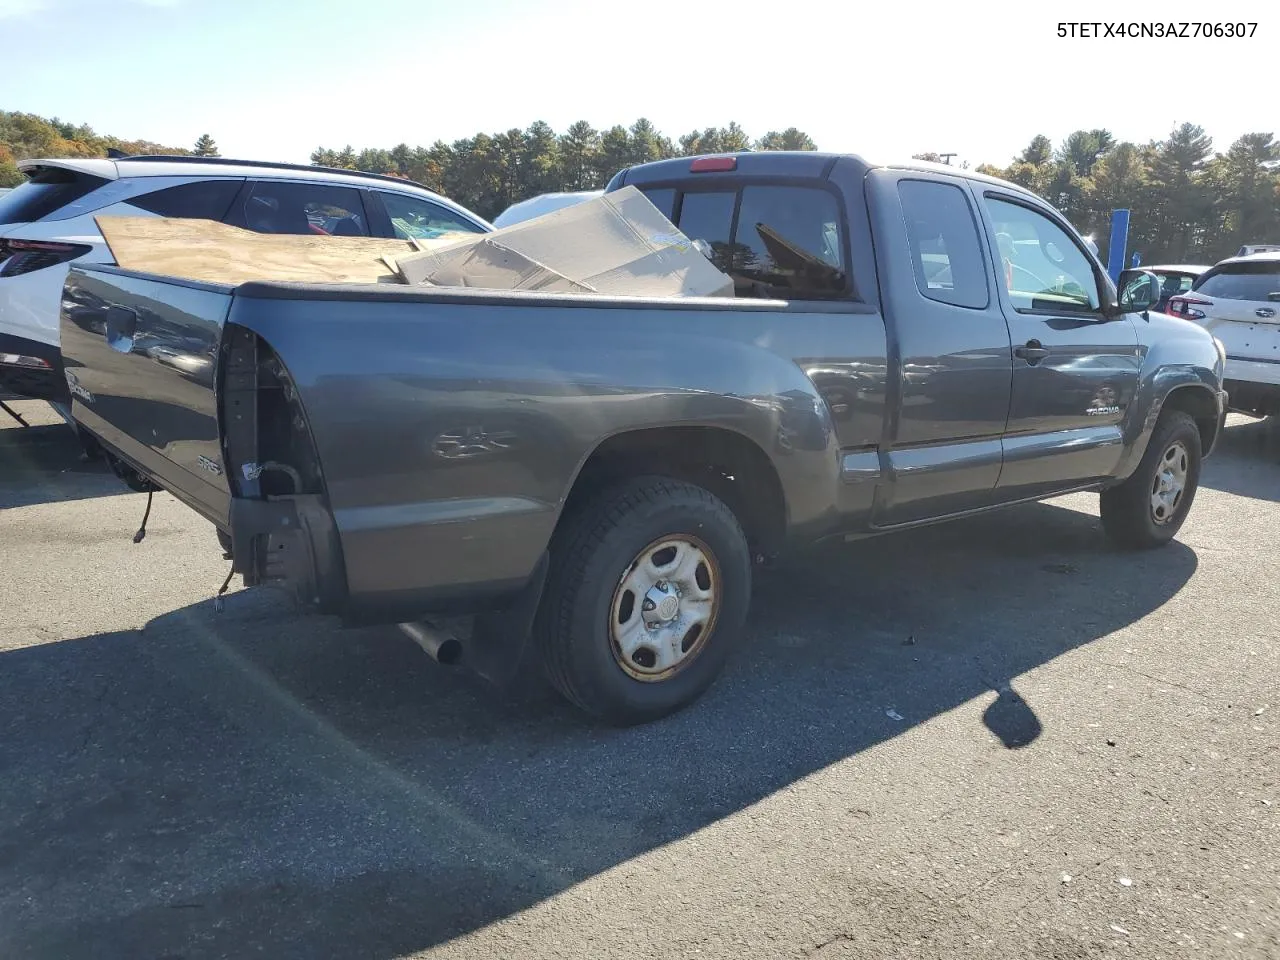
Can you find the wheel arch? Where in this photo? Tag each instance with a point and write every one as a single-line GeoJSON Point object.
{"type": "Point", "coordinates": [722, 460]}
{"type": "Point", "coordinates": [1176, 388]}
{"type": "Point", "coordinates": [1199, 402]}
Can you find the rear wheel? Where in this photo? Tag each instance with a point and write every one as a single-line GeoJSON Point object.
{"type": "Point", "coordinates": [646, 598]}
{"type": "Point", "coordinates": [1148, 508]}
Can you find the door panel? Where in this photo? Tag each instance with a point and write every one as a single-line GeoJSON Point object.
{"type": "Point", "coordinates": [1075, 372]}
{"type": "Point", "coordinates": [934, 480]}
{"type": "Point", "coordinates": [139, 357]}
{"type": "Point", "coordinates": [1043, 460]}
{"type": "Point", "coordinates": [951, 366]}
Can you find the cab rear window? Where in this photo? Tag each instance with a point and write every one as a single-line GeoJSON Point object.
{"type": "Point", "coordinates": [708, 216]}
{"type": "Point", "coordinates": [47, 190]}
{"type": "Point", "coordinates": [664, 198]}
{"type": "Point", "coordinates": [774, 240]}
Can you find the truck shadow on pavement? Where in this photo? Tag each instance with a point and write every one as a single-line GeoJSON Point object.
{"type": "Point", "coordinates": [258, 782]}
{"type": "Point", "coordinates": [1246, 461]}
{"type": "Point", "coordinates": [42, 464]}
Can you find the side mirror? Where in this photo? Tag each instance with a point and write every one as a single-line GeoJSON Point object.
{"type": "Point", "coordinates": [1139, 291]}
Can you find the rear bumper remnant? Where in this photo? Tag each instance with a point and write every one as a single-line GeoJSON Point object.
{"type": "Point", "coordinates": [289, 540]}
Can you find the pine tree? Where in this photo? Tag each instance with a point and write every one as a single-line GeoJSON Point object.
{"type": "Point", "coordinates": [579, 156]}
{"type": "Point", "coordinates": [205, 147]}
{"type": "Point", "coordinates": [615, 152]}
{"type": "Point", "coordinates": [541, 163]}
{"type": "Point", "coordinates": [788, 139]}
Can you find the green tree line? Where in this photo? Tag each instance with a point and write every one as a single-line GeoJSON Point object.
{"type": "Point", "coordinates": [1188, 203]}
{"type": "Point", "coordinates": [24, 135]}
{"type": "Point", "coordinates": [489, 172]}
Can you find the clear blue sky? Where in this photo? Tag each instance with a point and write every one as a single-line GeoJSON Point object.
{"type": "Point", "coordinates": [273, 79]}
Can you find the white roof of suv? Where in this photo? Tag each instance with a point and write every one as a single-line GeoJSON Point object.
{"type": "Point", "coordinates": [1250, 249]}
{"type": "Point", "coordinates": [120, 168]}
{"type": "Point", "coordinates": [1267, 256]}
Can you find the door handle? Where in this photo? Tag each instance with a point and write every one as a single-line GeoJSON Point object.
{"type": "Point", "coordinates": [1033, 351]}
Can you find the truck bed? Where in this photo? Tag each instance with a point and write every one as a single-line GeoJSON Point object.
{"type": "Point", "coordinates": [448, 426]}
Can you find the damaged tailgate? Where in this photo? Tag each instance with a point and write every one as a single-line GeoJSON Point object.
{"type": "Point", "coordinates": [158, 376]}
{"type": "Point", "coordinates": [140, 356]}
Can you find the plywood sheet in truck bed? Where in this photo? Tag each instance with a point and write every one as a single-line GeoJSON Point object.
{"type": "Point", "coordinates": [216, 253]}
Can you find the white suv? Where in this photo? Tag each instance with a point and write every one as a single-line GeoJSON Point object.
{"type": "Point", "coordinates": [48, 222]}
{"type": "Point", "coordinates": [1238, 301]}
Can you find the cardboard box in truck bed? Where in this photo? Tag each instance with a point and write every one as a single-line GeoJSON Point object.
{"type": "Point", "coordinates": [619, 243]}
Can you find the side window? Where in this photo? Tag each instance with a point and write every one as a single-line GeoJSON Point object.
{"type": "Point", "coordinates": [709, 217]}
{"type": "Point", "coordinates": [945, 250]}
{"type": "Point", "coordinates": [790, 241]}
{"type": "Point", "coordinates": [664, 198]}
{"type": "Point", "coordinates": [1041, 265]}
{"type": "Point", "coordinates": [197, 200]}
{"type": "Point", "coordinates": [279, 206]}
{"type": "Point", "coordinates": [414, 217]}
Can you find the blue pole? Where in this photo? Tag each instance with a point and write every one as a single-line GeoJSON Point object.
{"type": "Point", "coordinates": [1119, 240]}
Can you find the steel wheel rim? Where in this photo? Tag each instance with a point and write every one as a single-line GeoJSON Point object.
{"type": "Point", "coordinates": [664, 608]}
{"type": "Point", "coordinates": [1169, 485]}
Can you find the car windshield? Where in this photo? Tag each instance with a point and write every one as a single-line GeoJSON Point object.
{"type": "Point", "coordinates": [1242, 281]}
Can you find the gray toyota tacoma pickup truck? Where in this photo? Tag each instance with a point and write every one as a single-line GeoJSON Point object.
{"type": "Point", "coordinates": [908, 344]}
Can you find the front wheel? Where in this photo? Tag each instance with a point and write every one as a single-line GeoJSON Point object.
{"type": "Point", "coordinates": [646, 597]}
{"type": "Point", "coordinates": [1148, 508]}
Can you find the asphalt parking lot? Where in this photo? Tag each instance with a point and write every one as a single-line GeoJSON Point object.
{"type": "Point", "coordinates": [996, 738]}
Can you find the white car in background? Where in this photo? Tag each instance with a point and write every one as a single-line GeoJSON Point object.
{"type": "Point", "coordinates": [48, 222]}
{"type": "Point", "coordinates": [1238, 301]}
{"type": "Point", "coordinates": [541, 204]}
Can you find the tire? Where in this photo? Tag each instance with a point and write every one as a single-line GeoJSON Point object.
{"type": "Point", "coordinates": [1129, 516]}
{"type": "Point", "coordinates": [604, 554]}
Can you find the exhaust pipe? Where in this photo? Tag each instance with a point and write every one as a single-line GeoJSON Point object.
{"type": "Point", "coordinates": [441, 647]}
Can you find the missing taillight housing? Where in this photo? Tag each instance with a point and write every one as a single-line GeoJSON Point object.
{"type": "Point", "coordinates": [267, 443]}
{"type": "Point", "coordinates": [26, 256]}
